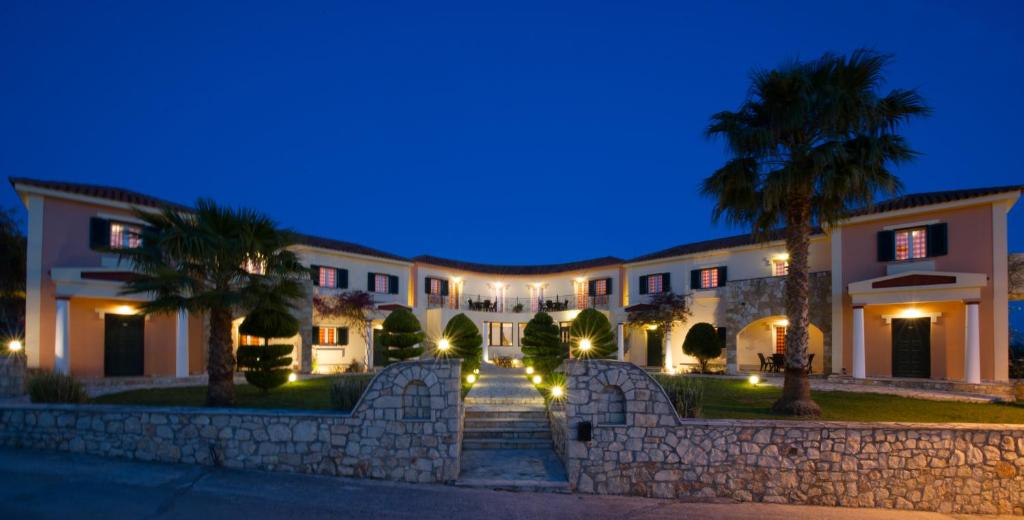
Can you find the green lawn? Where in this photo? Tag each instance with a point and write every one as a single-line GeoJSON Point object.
{"type": "Point", "coordinates": [307, 394]}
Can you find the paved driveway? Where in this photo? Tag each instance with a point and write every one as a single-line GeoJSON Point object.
{"type": "Point", "coordinates": [52, 485]}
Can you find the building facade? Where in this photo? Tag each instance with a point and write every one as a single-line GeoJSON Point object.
{"type": "Point", "coordinates": [914, 287]}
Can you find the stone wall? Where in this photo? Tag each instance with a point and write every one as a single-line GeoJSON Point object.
{"type": "Point", "coordinates": [406, 427]}
{"type": "Point", "coordinates": [12, 375]}
{"type": "Point", "coordinates": [947, 468]}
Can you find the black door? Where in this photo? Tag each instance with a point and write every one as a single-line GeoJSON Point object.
{"type": "Point", "coordinates": [655, 344]}
{"type": "Point", "coordinates": [380, 354]}
{"type": "Point", "coordinates": [123, 345]}
{"type": "Point", "coordinates": [911, 347]}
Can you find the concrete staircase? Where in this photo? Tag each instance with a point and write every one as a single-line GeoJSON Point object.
{"type": "Point", "coordinates": [515, 426]}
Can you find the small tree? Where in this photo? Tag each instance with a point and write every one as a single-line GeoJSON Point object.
{"type": "Point", "coordinates": [703, 343]}
{"type": "Point", "coordinates": [592, 325]}
{"type": "Point", "coordinates": [267, 366]}
{"type": "Point", "coordinates": [401, 336]}
{"type": "Point", "coordinates": [465, 341]}
{"type": "Point", "coordinates": [542, 344]}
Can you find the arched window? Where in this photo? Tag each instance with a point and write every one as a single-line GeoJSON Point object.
{"type": "Point", "coordinates": [416, 402]}
{"type": "Point", "coordinates": [613, 406]}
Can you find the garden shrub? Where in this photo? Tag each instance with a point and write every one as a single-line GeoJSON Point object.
{"type": "Point", "coordinates": [355, 367]}
{"type": "Point", "coordinates": [466, 342]}
{"type": "Point", "coordinates": [703, 342]}
{"type": "Point", "coordinates": [686, 394]}
{"type": "Point", "coordinates": [346, 391]}
{"type": "Point", "coordinates": [267, 366]}
{"type": "Point", "coordinates": [402, 336]}
{"type": "Point", "coordinates": [593, 325]}
{"type": "Point", "coordinates": [542, 344]}
{"type": "Point", "coordinates": [51, 387]}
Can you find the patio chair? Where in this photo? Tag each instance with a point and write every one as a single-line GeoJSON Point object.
{"type": "Point", "coordinates": [766, 365]}
{"type": "Point", "coordinates": [487, 305]}
{"type": "Point", "coordinates": [778, 362]}
{"type": "Point", "coordinates": [550, 306]}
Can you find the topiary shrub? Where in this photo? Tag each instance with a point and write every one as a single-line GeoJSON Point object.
{"type": "Point", "coordinates": [703, 342]}
{"type": "Point", "coordinates": [542, 344]}
{"type": "Point", "coordinates": [345, 393]}
{"type": "Point", "coordinates": [593, 325]}
{"type": "Point", "coordinates": [267, 366]}
{"type": "Point", "coordinates": [465, 341]}
{"type": "Point", "coordinates": [401, 336]}
{"type": "Point", "coordinates": [51, 387]}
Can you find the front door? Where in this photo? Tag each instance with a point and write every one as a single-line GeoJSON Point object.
{"type": "Point", "coordinates": [911, 347]}
{"type": "Point", "coordinates": [380, 352]}
{"type": "Point", "coordinates": [655, 347]}
{"type": "Point", "coordinates": [123, 342]}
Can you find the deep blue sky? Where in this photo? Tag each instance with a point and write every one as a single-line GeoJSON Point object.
{"type": "Point", "coordinates": [515, 133]}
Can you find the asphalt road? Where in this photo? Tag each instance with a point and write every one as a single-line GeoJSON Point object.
{"type": "Point", "coordinates": [57, 485]}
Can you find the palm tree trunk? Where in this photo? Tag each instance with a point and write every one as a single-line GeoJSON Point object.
{"type": "Point", "coordinates": [796, 390]}
{"type": "Point", "coordinates": [220, 390]}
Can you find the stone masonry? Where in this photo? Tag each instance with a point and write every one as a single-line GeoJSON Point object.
{"type": "Point", "coordinates": [953, 468]}
{"type": "Point", "coordinates": [12, 375]}
{"type": "Point", "coordinates": [406, 427]}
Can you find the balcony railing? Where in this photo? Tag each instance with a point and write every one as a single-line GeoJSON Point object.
{"type": "Point", "coordinates": [515, 304]}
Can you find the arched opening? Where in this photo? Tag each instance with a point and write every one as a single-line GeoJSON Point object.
{"type": "Point", "coordinates": [416, 402]}
{"type": "Point", "coordinates": [766, 336]}
{"type": "Point", "coordinates": [613, 406]}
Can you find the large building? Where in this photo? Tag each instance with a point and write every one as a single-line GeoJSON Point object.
{"type": "Point", "coordinates": [914, 287]}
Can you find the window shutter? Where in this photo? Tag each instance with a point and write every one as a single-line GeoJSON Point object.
{"type": "Point", "coordinates": [721, 335]}
{"type": "Point", "coordinates": [723, 276]}
{"type": "Point", "coordinates": [343, 335]}
{"type": "Point", "coordinates": [886, 246]}
{"type": "Point", "coordinates": [314, 274]}
{"type": "Point", "coordinates": [343, 278]}
{"type": "Point", "coordinates": [426, 285]}
{"type": "Point", "coordinates": [938, 239]}
{"type": "Point", "coordinates": [392, 285]}
{"type": "Point", "coordinates": [643, 284]}
{"type": "Point", "coordinates": [695, 279]}
{"type": "Point", "coordinates": [592, 287]}
{"type": "Point", "coordinates": [608, 285]}
{"type": "Point", "coordinates": [444, 287]}
{"type": "Point", "coordinates": [666, 282]}
{"type": "Point", "coordinates": [316, 336]}
{"type": "Point", "coordinates": [369, 282]}
{"type": "Point", "coordinates": [99, 233]}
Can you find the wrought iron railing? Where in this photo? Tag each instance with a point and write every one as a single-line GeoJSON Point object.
{"type": "Point", "coordinates": [517, 304]}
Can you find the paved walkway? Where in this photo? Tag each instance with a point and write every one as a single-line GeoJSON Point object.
{"type": "Point", "coordinates": [61, 486]}
{"type": "Point", "coordinates": [500, 386]}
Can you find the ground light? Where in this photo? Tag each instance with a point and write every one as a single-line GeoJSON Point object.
{"type": "Point", "coordinates": [754, 379]}
{"type": "Point", "coordinates": [537, 379]}
{"type": "Point", "coordinates": [292, 377]}
{"type": "Point", "coordinates": [476, 370]}
{"type": "Point", "coordinates": [557, 392]}
{"type": "Point", "coordinates": [14, 346]}
{"type": "Point", "coordinates": [529, 371]}
{"type": "Point", "coordinates": [471, 378]}
{"type": "Point", "coordinates": [585, 345]}
{"type": "Point", "coordinates": [443, 345]}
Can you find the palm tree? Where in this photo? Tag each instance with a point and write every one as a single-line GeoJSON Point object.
{"type": "Point", "coordinates": [215, 260]}
{"type": "Point", "coordinates": [812, 141]}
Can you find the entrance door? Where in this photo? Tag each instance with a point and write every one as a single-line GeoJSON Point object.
{"type": "Point", "coordinates": [655, 348]}
{"type": "Point", "coordinates": [911, 347]}
{"type": "Point", "coordinates": [380, 355]}
{"type": "Point", "coordinates": [123, 341]}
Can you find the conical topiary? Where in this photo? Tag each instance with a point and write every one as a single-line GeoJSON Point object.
{"type": "Point", "coordinates": [402, 336]}
{"type": "Point", "coordinates": [465, 340]}
{"type": "Point", "coordinates": [592, 325]}
{"type": "Point", "coordinates": [267, 366]}
{"type": "Point", "coordinates": [542, 344]}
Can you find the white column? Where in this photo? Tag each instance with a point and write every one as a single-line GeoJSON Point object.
{"type": "Point", "coordinates": [668, 348]}
{"type": "Point", "coordinates": [972, 350]}
{"type": "Point", "coordinates": [181, 345]}
{"type": "Point", "coordinates": [621, 337]}
{"type": "Point", "coordinates": [61, 347]}
{"type": "Point", "coordinates": [369, 345]}
{"type": "Point", "coordinates": [858, 343]}
{"type": "Point", "coordinates": [487, 339]}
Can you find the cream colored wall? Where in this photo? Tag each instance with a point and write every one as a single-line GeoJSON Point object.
{"type": "Point", "coordinates": [358, 268]}
{"type": "Point", "coordinates": [759, 337]}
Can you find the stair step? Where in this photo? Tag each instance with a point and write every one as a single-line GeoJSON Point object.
{"type": "Point", "coordinates": [506, 413]}
{"type": "Point", "coordinates": [505, 444]}
{"type": "Point", "coordinates": [477, 423]}
{"type": "Point", "coordinates": [534, 486]}
{"type": "Point", "coordinates": [499, 434]}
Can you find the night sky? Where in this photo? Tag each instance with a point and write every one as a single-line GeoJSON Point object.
{"type": "Point", "coordinates": [515, 133]}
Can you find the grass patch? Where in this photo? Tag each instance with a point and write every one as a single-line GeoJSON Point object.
{"type": "Point", "coordinates": [306, 394]}
{"type": "Point", "coordinates": [738, 399]}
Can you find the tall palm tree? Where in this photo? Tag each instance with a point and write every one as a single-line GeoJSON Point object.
{"type": "Point", "coordinates": [215, 260]}
{"type": "Point", "coordinates": [812, 141]}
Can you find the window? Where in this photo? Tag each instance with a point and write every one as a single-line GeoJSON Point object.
{"type": "Point", "coordinates": [563, 329]}
{"type": "Point", "coordinates": [780, 267]}
{"type": "Point", "coordinates": [330, 335]}
{"type": "Point", "coordinates": [328, 277]}
{"type": "Point", "coordinates": [382, 283]}
{"type": "Point", "coordinates": [499, 334]}
{"type": "Point", "coordinates": [125, 236]}
{"type": "Point", "coordinates": [655, 283]}
{"type": "Point", "coordinates": [780, 340]}
{"type": "Point", "coordinates": [600, 287]}
{"type": "Point", "coordinates": [248, 341]}
{"type": "Point", "coordinates": [435, 286]}
{"type": "Point", "coordinates": [708, 278]}
{"type": "Point", "coordinates": [911, 243]}
{"type": "Point", "coordinates": [254, 266]}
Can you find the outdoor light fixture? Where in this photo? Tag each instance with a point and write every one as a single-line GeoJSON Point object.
{"type": "Point", "coordinates": [585, 345]}
{"type": "Point", "coordinates": [537, 379]}
{"type": "Point", "coordinates": [14, 345]}
{"type": "Point", "coordinates": [471, 378]}
{"type": "Point", "coordinates": [443, 345]}
{"type": "Point", "coordinates": [476, 370]}
{"type": "Point", "coordinates": [292, 377]}
{"type": "Point", "coordinates": [557, 392]}
{"type": "Point", "coordinates": [754, 380]}
{"type": "Point", "coordinates": [529, 370]}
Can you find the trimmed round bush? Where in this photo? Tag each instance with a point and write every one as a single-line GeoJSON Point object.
{"type": "Point", "coordinates": [402, 336]}
{"type": "Point", "coordinates": [269, 323]}
{"type": "Point", "coordinates": [703, 342]}
{"type": "Point", "coordinates": [593, 325]}
{"type": "Point", "coordinates": [465, 341]}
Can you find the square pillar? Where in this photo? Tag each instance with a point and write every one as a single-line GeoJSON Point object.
{"type": "Point", "coordinates": [181, 345]}
{"type": "Point", "coordinates": [972, 349]}
{"type": "Point", "coordinates": [858, 342]}
{"type": "Point", "coordinates": [668, 349]}
{"type": "Point", "coordinates": [621, 341]}
{"type": "Point", "coordinates": [62, 346]}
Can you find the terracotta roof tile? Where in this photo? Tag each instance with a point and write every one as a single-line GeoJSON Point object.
{"type": "Point", "coordinates": [914, 200]}
{"type": "Point", "coordinates": [606, 261]}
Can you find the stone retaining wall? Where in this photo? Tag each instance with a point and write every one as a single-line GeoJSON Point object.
{"type": "Point", "coordinates": [12, 375]}
{"type": "Point", "coordinates": [406, 427]}
{"type": "Point", "coordinates": [949, 468]}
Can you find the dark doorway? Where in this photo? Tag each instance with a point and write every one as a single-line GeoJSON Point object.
{"type": "Point", "coordinates": [655, 348]}
{"type": "Point", "coordinates": [123, 345]}
{"type": "Point", "coordinates": [380, 352]}
{"type": "Point", "coordinates": [911, 347]}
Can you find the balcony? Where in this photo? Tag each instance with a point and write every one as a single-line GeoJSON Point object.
{"type": "Point", "coordinates": [515, 304]}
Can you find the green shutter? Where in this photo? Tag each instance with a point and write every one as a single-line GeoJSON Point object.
{"type": "Point", "coordinates": [643, 284]}
{"type": "Point", "coordinates": [886, 246]}
{"type": "Point", "coordinates": [369, 282]}
{"type": "Point", "coordinates": [938, 239]}
{"type": "Point", "coordinates": [99, 234]}
{"type": "Point", "coordinates": [426, 285]}
{"type": "Point", "coordinates": [314, 274]}
{"type": "Point", "coordinates": [694, 279]}
{"type": "Point", "coordinates": [392, 284]}
{"type": "Point", "coordinates": [343, 335]}
{"type": "Point", "coordinates": [343, 278]}
{"type": "Point", "coordinates": [316, 336]}
{"type": "Point", "coordinates": [723, 276]}
{"type": "Point", "coordinates": [608, 286]}
{"type": "Point", "coordinates": [444, 287]}
{"type": "Point", "coordinates": [666, 282]}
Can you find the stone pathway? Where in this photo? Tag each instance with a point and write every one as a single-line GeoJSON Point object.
{"type": "Point", "coordinates": [507, 438]}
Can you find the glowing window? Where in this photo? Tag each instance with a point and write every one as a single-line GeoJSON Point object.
{"type": "Point", "coordinates": [780, 267]}
{"type": "Point", "coordinates": [911, 243]}
{"type": "Point", "coordinates": [328, 336]}
{"type": "Point", "coordinates": [125, 236]}
{"type": "Point", "coordinates": [655, 284]}
{"type": "Point", "coordinates": [328, 277]}
{"type": "Point", "coordinates": [780, 340]}
{"type": "Point", "coordinates": [708, 278]}
{"type": "Point", "coordinates": [248, 341]}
